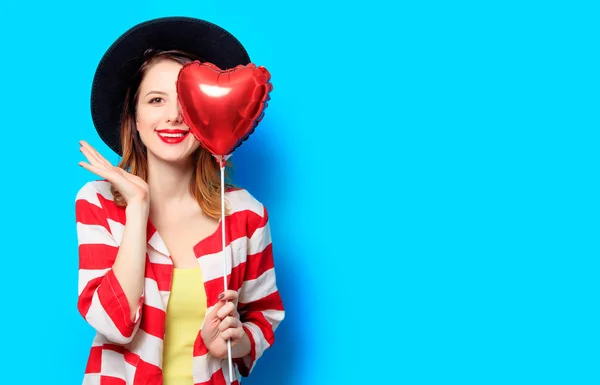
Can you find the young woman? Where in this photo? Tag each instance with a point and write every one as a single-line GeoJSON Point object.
{"type": "Point", "coordinates": [149, 230]}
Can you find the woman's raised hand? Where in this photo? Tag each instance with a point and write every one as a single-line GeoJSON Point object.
{"type": "Point", "coordinates": [131, 187]}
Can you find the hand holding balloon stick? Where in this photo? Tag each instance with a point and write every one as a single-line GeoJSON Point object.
{"type": "Point", "coordinates": [222, 108]}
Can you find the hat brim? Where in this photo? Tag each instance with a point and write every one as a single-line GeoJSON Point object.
{"type": "Point", "coordinates": [123, 58]}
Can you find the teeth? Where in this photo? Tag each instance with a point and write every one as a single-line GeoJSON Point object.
{"type": "Point", "coordinates": [171, 135]}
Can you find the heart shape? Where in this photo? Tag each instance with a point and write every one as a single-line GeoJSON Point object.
{"type": "Point", "coordinates": [222, 107]}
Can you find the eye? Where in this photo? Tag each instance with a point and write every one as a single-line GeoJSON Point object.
{"type": "Point", "coordinates": [155, 100]}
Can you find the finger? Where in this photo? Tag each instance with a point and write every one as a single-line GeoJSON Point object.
{"type": "Point", "coordinates": [92, 150]}
{"type": "Point", "coordinates": [105, 173]}
{"type": "Point", "coordinates": [95, 154]}
{"type": "Point", "coordinates": [96, 170]}
{"type": "Point", "coordinates": [227, 310]}
{"type": "Point", "coordinates": [233, 334]}
{"type": "Point", "coordinates": [228, 295]}
{"type": "Point", "coordinates": [211, 314]}
{"type": "Point", "coordinates": [229, 322]}
{"type": "Point", "coordinates": [91, 157]}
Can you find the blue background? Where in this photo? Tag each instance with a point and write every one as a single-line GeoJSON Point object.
{"type": "Point", "coordinates": [430, 172]}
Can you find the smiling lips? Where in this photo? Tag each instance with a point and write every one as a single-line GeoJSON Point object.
{"type": "Point", "coordinates": [172, 136]}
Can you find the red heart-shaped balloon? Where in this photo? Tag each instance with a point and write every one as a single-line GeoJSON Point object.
{"type": "Point", "coordinates": [222, 107]}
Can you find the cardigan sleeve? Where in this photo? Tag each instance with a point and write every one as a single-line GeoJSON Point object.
{"type": "Point", "coordinates": [260, 305]}
{"type": "Point", "coordinates": [101, 299]}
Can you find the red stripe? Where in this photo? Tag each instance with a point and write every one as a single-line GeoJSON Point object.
{"type": "Point", "coordinates": [161, 273]}
{"type": "Point", "coordinates": [147, 374]}
{"type": "Point", "coordinates": [236, 278]}
{"type": "Point", "coordinates": [94, 363]}
{"type": "Point", "coordinates": [90, 214]}
{"type": "Point", "coordinates": [112, 211]}
{"type": "Point", "coordinates": [115, 348]}
{"type": "Point", "coordinates": [113, 300]}
{"type": "Point", "coordinates": [199, 347]}
{"type": "Point", "coordinates": [97, 256]}
{"type": "Point", "coordinates": [257, 264]}
{"type": "Point", "coordinates": [256, 222]}
{"type": "Point", "coordinates": [236, 226]}
{"type": "Point", "coordinates": [153, 321]}
{"type": "Point", "coordinates": [85, 298]}
{"type": "Point", "coordinates": [269, 302]}
{"type": "Point", "coordinates": [214, 287]}
{"type": "Point", "coordinates": [131, 358]}
{"type": "Point", "coordinates": [240, 273]}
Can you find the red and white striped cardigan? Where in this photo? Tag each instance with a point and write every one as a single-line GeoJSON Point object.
{"type": "Point", "coordinates": [126, 352]}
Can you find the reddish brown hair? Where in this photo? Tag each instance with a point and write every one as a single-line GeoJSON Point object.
{"type": "Point", "coordinates": [205, 185]}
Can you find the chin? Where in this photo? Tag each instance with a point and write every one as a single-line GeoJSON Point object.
{"type": "Point", "coordinates": [172, 156]}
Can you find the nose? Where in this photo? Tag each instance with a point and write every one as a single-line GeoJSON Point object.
{"type": "Point", "coordinates": [175, 115]}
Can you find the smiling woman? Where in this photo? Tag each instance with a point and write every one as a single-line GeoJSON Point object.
{"type": "Point", "coordinates": [151, 275]}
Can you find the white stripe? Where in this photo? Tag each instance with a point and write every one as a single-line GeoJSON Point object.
{"type": "Point", "coordinates": [100, 320]}
{"type": "Point", "coordinates": [91, 379]}
{"type": "Point", "coordinates": [112, 364]}
{"type": "Point", "coordinates": [116, 229]}
{"type": "Point", "coordinates": [241, 200]}
{"type": "Point", "coordinates": [94, 235]}
{"type": "Point", "coordinates": [158, 244]}
{"type": "Point", "coordinates": [129, 372]}
{"type": "Point", "coordinates": [148, 347]}
{"type": "Point", "coordinates": [259, 240]}
{"type": "Point", "coordinates": [260, 342]}
{"type": "Point", "coordinates": [274, 317]}
{"type": "Point", "coordinates": [99, 340]}
{"type": "Point", "coordinates": [157, 257]}
{"type": "Point", "coordinates": [86, 275]}
{"type": "Point", "coordinates": [212, 264]}
{"type": "Point", "coordinates": [255, 289]}
{"type": "Point", "coordinates": [103, 188]}
{"type": "Point", "coordinates": [152, 295]}
{"type": "Point", "coordinates": [204, 367]}
{"type": "Point", "coordinates": [89, 192]}
{"type": "Point", "coordinates": [164, 295]}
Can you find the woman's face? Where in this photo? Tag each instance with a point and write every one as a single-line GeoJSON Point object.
{"type": "Point", "coordinates": [158, 117]}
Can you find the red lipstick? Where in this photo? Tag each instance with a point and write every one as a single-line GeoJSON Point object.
{"type": "Point", "coordinates": [172, 136]}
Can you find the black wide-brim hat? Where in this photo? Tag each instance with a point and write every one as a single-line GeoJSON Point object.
{"type": "Point", "coordinates": [123, 58]}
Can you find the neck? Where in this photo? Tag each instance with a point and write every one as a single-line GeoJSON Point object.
{"type": "Point", "coordinates": [168, 182]}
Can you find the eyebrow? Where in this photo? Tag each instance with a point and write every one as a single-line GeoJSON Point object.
{"type": "Point", "coordinates": [156, 92]}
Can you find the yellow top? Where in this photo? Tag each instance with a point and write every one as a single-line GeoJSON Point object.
{"type": "Point", "coordinates": [185, 312]}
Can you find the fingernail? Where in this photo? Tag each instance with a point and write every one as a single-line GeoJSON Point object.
{"type": "Point", "coordinates": [222, 295]}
